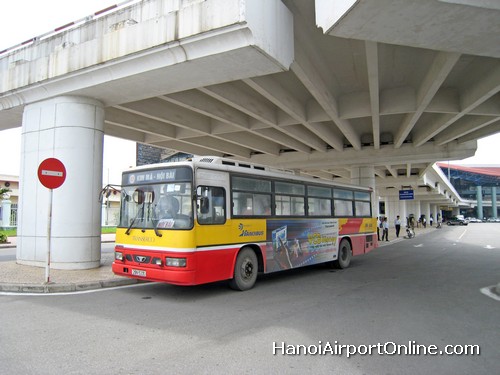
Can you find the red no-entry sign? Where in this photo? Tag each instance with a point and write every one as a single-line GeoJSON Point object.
{"type": "Point", "coordinates": [51, 173]}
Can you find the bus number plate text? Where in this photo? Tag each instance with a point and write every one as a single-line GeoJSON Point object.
{"type": "Point", "coordinates": [139, 273]}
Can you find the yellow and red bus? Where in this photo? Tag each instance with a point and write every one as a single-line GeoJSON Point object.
{"type": "Point", "coordinates": [209, 219]}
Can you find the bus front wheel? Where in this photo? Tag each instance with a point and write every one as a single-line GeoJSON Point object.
{"type": "Point", "coordinates": [344, 256]}
{"type": "Point", "coordinates": [245, 270]}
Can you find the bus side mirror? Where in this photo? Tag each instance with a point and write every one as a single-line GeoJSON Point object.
{"type": "Point", "coordinates": [204, 205]}
{"type": "Point", "coordinates": [139, 196]}
{"type": "Point", "coordinates": [204, 201]}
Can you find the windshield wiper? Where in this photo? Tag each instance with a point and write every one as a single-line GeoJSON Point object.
{"type": "Point", "coordinates": [158, 233]}
{"type": "Point", "coordinates": [141, 210]}
{"type": "Point", "coordinates": [154, 225]}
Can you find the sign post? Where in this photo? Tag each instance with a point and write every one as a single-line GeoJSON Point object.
{"type": "Point", "coordinates": [51, 174]}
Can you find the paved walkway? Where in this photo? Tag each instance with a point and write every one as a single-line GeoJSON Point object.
{"type": "Point", "coordinates": [29, 279]}
{"type": "Point", "coordinates": [402, 235]}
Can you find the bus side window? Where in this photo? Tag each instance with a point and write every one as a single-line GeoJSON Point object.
{"type": "Point", "coordinates": [211, 205]}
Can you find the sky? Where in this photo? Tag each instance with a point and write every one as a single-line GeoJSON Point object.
{"type": "Point", "coordinates": [25, 19]}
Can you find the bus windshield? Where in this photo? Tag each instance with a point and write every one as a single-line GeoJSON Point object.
{"type": "Point", "coordinates": [157, 206]}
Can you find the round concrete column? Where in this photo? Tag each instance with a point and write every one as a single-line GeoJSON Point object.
{"type": "Point", "coordinates": [425, 209]}
{"type": "Point", "coordinates": [434, 212]}
{"type": "Point", "coordinates": [395, 207]}
{"type": "Point", "coordinates": [494, 201]}
{"type": "Point", "coordinates": [413, 208]}
{"type": "Point", "coordinates": [70, 129]}
{"type": "Point", "coordinates": [479, 197]}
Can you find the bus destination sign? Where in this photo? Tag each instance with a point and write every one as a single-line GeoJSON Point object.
{"type": "Point", "coordinates": [157, 176]}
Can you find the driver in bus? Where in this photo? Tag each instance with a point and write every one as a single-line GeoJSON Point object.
{"type": "Point", "coordinates": [169, 207]}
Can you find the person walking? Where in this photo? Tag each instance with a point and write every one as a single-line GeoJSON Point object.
{"type": "Point", "coordinates": [397, 225]}
{"type": "Point", "coordinates": [385, 226]}
{"type": "Point", "coordinates": [379, 226]}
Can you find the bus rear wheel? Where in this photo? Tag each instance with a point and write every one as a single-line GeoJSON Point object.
{"type": "Point", "coordinates": [245, 270]}
{"type": "Point", "coordinates": [344, 256]}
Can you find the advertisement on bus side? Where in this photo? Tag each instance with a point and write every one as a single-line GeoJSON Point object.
{"type": "Point", "coordinates": [297, 243]}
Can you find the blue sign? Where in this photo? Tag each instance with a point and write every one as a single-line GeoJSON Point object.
{"type": "Point", "coordinates": [406, 195]}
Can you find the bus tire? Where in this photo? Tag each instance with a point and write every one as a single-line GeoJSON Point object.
{"type": "Point", "coordinates": [344, 256]}
{"type": "Point", "coordinates": [245, 270]}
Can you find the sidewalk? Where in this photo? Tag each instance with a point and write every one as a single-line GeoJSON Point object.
{"type": "Point", "coordinates": [16, 278]}
{"type": "Point", "coordinates": [402, 235]}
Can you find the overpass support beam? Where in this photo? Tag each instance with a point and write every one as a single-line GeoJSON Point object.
{"type": "Point", "coordinates": [70, 129]}
{"type": "Point", "coordinates": [365, 176]}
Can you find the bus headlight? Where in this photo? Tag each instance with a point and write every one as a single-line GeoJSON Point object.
{"type": "Point", "coordinates": [118, 255]}
{"type": "Point", "coordinates": [176, 262]}
{"type": "Point", "coordinates": [157, 261]}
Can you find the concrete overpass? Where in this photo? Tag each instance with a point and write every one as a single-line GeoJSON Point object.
{"type": "Point", "coordinates": [369, 92]}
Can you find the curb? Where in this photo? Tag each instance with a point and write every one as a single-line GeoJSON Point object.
{"type": "Point", "coordinates": [10, 245]}
{"type": "Point", "coordinates": [67, 287]}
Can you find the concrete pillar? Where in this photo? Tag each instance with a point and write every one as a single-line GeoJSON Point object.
{"type": "Point", "coordinates": [435, 211]}
{"type": "Point", "coordinates": [413, 207]}
{"type": "Point", "coordinates": [365, 176]}
{"type": "Point", "coordinates": [479, 197]}
{"type": "Point", "coordinates": [440, 213]}
{"type": "Point", "coordinates": [394, 207]}
{"type": "Point", "coordinates": [494, 201]}
{"type": "Point", "coordinates": [425, 209]}
{"type": "Point", "coordinates": [6, 211]}
{"type": "Point", "coordinates": [70, 129]}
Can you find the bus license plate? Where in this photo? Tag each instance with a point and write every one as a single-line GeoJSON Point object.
{"type": "Point", "coordinates": [139, 273]}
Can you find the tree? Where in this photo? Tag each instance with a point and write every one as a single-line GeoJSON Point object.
{"type": "Point", "coordinates": [3, 194]}
{"type": "Point", "coordinates": [4, 191]}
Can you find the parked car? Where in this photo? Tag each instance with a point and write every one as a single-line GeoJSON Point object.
{"type": "Point", "coordinates": [473, 220]}
{"type": "Point", "coordinates": [457, 220]}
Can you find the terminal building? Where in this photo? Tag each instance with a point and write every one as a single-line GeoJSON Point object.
{"type": "Point", "coordinates": [477, 186]}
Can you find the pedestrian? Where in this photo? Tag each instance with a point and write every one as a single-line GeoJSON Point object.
{"type": "Point", "coordinates": [385, 226]}
{"type": "Point", "coordinates": [431, 220]}
{"type": "Point", "coordinates": [379, 226]}
{"type": "Point", "coordinates": [397, 225]}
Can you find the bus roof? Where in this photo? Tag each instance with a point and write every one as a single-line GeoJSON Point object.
{"type": "Point", "coordinates": [242, 167]}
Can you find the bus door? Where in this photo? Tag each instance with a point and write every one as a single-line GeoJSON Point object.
{"type": "Point", "coordinates": [211, 205]}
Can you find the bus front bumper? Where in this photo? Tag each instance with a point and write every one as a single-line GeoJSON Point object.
{"type": "Point", "coordinates": [171, 276]}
